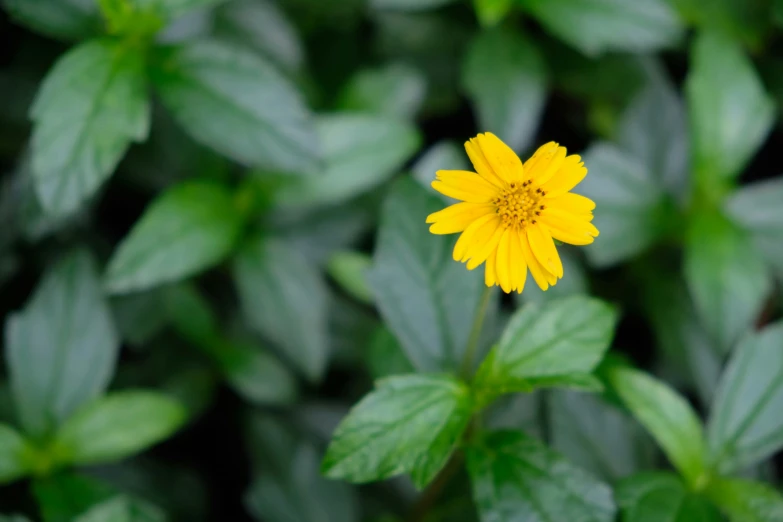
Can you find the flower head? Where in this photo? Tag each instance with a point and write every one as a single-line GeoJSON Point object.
{"type": "Point", "coordinates": [511, 213]}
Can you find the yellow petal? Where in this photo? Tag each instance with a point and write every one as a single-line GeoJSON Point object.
{"type": "Point", "coordinates": [544, 249]}
{"type": "Point", "coordinates": [570, 202]}
{"type": "Point", "coordinates": [483, 248]}
{"type": "Point", "coordinates": [464, 185]}
{"type": "Point", "coordinates": [568, 228]}
{"type": "Point", "coordinates": [546, 161]}
{"type": "Point", "coordinates": [504, 161]}
{"type": "Point", "coordinates": [502, 267]}
{"type": "Point", "coordinates": [456, 218]}
{"type": "Point", "coordinates": [489, 269]}
{"type": "Point", "coordinates": [518, 264]}
{"type": "Point", "coordinates": [481, 164]}
{"type": "Point", "coordinates": [542, 277]}
{"type": "Point", "coordinates": [570, 173]}
{"type": "Point", "coordinates": [466, 238]}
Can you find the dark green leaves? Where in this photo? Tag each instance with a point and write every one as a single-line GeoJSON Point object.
{"type": "Point", "coordinates": [117, 426]}
{"type": "Point", "coordinates": [396, 90]}
{"type": "Point", "coordinates": [122, 509]}
{"type": "Point", "coordinates": [427, 299]}
{"type": "Point", "coordinates": [596, 26]}
{"type": "Point", "coordinates": [728, 124]}
{"type": "Point", "coordinates": [409, 424]}
{"type": "Point", "coordinates": [555, 342]}
{"type": "Point", "coordinates": [62, 348]}
{"type": "Point", "coordinates": [188, 229]}
{"type": "Point", "coordinates": [233, 101]}
{"type": "Point", "coordinates": [516, 478]}
{"type": "Point", "coordinates": [15, 455]}
{"type": "Point", "coordinates": [746, 501]}
{"type": "Point", "coordinates": [746, 425]}
{"type": "Point", "coordinates": [91, 106]}
{"type": "Point", "coordinates": [360, 152]}
{"type": "Point", "coordinates": [628, 203]}
{"type": "Point", "coordinates": [667, 417]}
{"type": "Point", "coordinates": [757, 209]}
{"type": "Point", "coordinates": [506, 78]}
{"type": "Point", "coordinates": [284, 298]}
{"type": "Point", "coordinates": [66, 19]}
{"type": "Point", "coordinates": [654, 496]}
{"type": "Point", "coordinates": [726, 276]}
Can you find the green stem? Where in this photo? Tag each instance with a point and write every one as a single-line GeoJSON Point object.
{"type": "Point", "coordinates": [475, 334]}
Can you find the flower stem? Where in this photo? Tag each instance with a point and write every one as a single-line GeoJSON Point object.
{"type": "Point", "coordinates": [475, 334]}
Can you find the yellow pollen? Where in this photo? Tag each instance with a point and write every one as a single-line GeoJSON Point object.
{"type": "Point", "coordinates": [519, 205]}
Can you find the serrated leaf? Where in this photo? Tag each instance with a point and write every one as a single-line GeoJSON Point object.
{"type": "Point", "coordinates": [667, 416]}
{"type": "Point", "coordinates": [756, 208]}
{"type": "Point", "coordinates": [187, 229]}
{"type": "Point", "coordinates": [117, 426]}
{"type": "Point", "coordinates": [15, 455]}
{"type": "Point", "coordinates": [745, 500]}
{"type": "Point", "coordinates": [517, 478]}
{"type": "Point", "coordinates": [235, 102]}
{"type": "Point", "coordinates": [62, 348]}
{"type": "Point", "coordinates": [597, 26]}
{"type": "Point", "coordinates": [64, 19]}
{"type": "Point", "coordinates": [360, 152]}
{"type": "Point", "coordinates": [427, 299]}
{"type": "Point", "coordinates": [408, 424]}
{"type": "Point", "coordinates": [730, 112]}
{"type": "Point", "coordinates": [653, 496]}
{"type": "Point", "coordinates": [91, 106]}
{"type": "Point", "coordinates": [506, 78]}
{"type": "Point", "coordinates": [745, 425]}
{"type": "Point", "coordinates": [727, 278]}
{"type": "Point", "coordinates": [396, 90]}
{"type": "Point", "coordinates": [285, 299]}
{"type": "Point", "coordinates": [548, 341]}
{"type": "Point", "coordinates": [596, 436]}
{"type": "Point", "coordinates": [628, 204]}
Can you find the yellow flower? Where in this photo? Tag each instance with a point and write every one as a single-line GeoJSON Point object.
{"type": "Point", "coordinates": [510, 213]}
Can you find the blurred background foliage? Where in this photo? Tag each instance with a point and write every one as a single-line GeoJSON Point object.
{"type": "Point", "coordinates": [213, 236]}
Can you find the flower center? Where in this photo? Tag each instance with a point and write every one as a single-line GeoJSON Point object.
{"type": "Point", "coordinates": [519, 204]}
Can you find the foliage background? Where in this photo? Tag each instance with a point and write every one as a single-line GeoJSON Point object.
{"type": "Point", "coordinates": [192, 192]}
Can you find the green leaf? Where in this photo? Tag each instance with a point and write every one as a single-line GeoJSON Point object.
{"type": "Point", "coordinates": [654, 130]}
{"type": "Point", "coordinates": [348, 269]}
{"type": "Point", "coordinates": [597, 26]}
{"type": "Point", "coordinates": [746, 426]}
{"type": "Point", "coordinates": [186, 230]}
{"type": "Point", "coordinates": [137, 316]}
{"type": "Point", "coordinates": [427, 299]}
{"type": "Point", "coordinates": [396, 90]}
{"type": "Point", "coordinates": [176, 8]}
{"type": "Point", "coordinates": [91, 106]}
{"type": "Point", "coordinates": [256, 375]}
{"type": "Point", "coordinates": [62, 348]}
{"type": "Point", "coordinates": [745, 20]}
{"type": "Point", "coordinates": [654, 496]}
{"type": "Point", "coordinates": [64, 19]}
{"type": "Point", "coordinates": [408, 5]}
{"type": "Point", "coordinates": [15, 455]}
{"type": "Point", "coordinates": [597, 436]}
{"type": "Point", "coordinates": [360, 151]}
{"type": "Point", "coordinates": [117, 426]}
{"type": "Point", "coordinates": [730, 112]}
{"type": "Point", "coordinates": [726, 276]}
{"type": "Point", "coordinates": [517, 478]}
{"type": "Point", "coordinates": [667, 416]}
{"type": "Point", "coordinates": [385, 356]}
{"type": "Point", "coordinates": [131, 18]}
{"type": "Point", "coordinates": [628, 204]}
{"type": "Point", "coordinates": [506, 78]}
{"type": "Point", "coordinates": [238, 104]}
{"type": "Point", "coordinates": [123, 509]}
{"type": "Point", "coordinates": [574, 283]}
{"type": "Point", "coordinates": [263, 26]}
{"type": "Point", "coordinates": [278, 497]}
{"type": "Point", "coordinates": [285, 299]}
{"type": "Point", "coordinates": [64, 496]}
{"type": "Point", "coordinates": [408, 424]}
{"type": "Point", "coordinates": [490, 12]}
{"type": "Point", "coordinates": [542, 342]}
{"type": "Point", "coordinates": [745, 500]}
{"type": "Point", "coordinates": [756, 208]}
{"type": "Point", "coordinates": [444, 155]}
